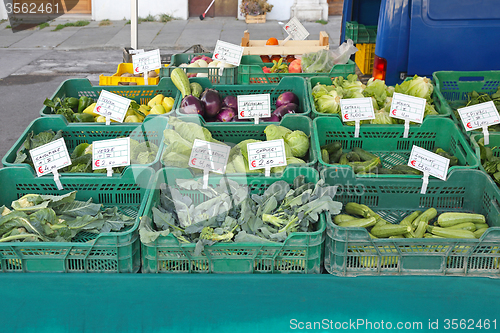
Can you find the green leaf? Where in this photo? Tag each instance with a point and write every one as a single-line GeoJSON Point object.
{"type": "Point", "coordinates": [147, 234]}
{"type": "Point", "coordinates": [56, 200]}
{"type": "Point", "coordinates": [78, 208]}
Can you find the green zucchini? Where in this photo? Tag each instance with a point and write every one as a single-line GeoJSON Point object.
{"type": "Point", "coordinates": [450, 219]}
{"type": "Point", "coordinates": [196, 89]}
{"type": "Point", "coordinates": [386, 230]}
{"type": "Point", "coordinates": [408, 221]}
{"type": "Point", "coordinates": [479, 232]}
{"type": "Point", "coordinates": [363, 223]}
{"type": "Point", "coordinates": [466, 226]}
{"type": "Point", "coordinates": [481, 225]}
{"type": "Point", "coordinates": [427, 216]}
{"type": "Point", "coordinates": [363, 154]}
{"type": "Point", "coordinates": [343, 218]}
{"type": "Point", "coordinates": [354, 208]}
{"type": "Point", "coordinates": [181, 81]}
{"type": "Point", "coordinates": [421, 228]}
{"type": "Point", "coordinates": [450, 233]}
{"type": "Point", "coordinates": [428, 235]}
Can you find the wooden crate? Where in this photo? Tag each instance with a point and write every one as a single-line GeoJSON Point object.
{"type": "Point", "coordinates": [255, 18]}
{"type": "Point", "coordinates": [295, 47]}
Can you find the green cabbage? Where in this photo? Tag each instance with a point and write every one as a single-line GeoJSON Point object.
{"type": "Point", "coordinates": [294, 160]}
{"type": "Point", "coordinates": [298, 142]}
{"type": "Point", "coordinates": [274, 132]}
{"type": "Point", "coordinates": [329, 103]}
{"type": "Point", "coordinates": [417, 86]}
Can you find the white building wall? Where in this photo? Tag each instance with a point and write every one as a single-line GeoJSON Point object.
{"type": "Point", "coordinates": [105, 9]}
{"type": "Point", "coordinates": [280, 11]}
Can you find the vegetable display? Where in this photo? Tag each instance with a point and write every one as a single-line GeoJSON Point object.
{"type": "Point", "coordinates": [52, 218]}
{"type": "Point", "coordinates": [418, 224]}
{"type": "Point", "coordinates": [203, 61]}
{"type": "Point", "coordinates": [231, 214]}
{"type": "Point", "coordinates": [82, 110]}
{"type": "Point", "coordinates": [474, 98]}
{"type": "Point", "coordinates": [81, 157]}
{"type": "Point", "coordinates": [489, 161]}
{"type": "Point", "coordinates": [327, 97]}
{"type": "Point", "coordinates": [180, 136]}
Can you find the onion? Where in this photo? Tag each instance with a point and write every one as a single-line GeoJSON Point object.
{"type": "Point", "coordinates": [226, 114]}
{"type": "Point", "coordinates": [192, 105]}
{"type": "Point", "coordinates": [286, 98]}
{"type": "Point", "coordinates": [198, 57]}
{"type": "Point", "coordinates": [285, 109]}
{"type": "Point", "coordinates": [231, 101]}
{"type": "Point", "coordinates": [212, 101]}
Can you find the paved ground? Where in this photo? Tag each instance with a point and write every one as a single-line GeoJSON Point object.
{"type": "Point", "coordinates": [35, 62]}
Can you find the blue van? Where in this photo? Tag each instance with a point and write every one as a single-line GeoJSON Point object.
{"type": "Point", "coordinates": [425, 36]}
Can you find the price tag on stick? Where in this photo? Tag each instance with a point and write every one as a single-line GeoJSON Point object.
{"type": "Point", "coordinates": [429, 163]}
{"type": "Point", "coordinates": [356, 109]}
{"type": "Point", "coordinates": [145, 62]}
{"type": "Point", "coordinates": [254, 106]}
{"type": "Point", "coordinates": [49, 158]}
{"type": "Point", "coordinates": [112, 106]}
{"type": "Point", "coordinates": [480, 116]}
{"type": "Point", "coordinates": [227, 52]}
{"type": "Point", "coordinates": [109, 154]}
{"type": "Point", "coordinates": [265, 155]}
{"type": "Point", "coordinates": [408, 108]}
{"type": "Point", "coordinates": [209, 156]}
{"type": "Point", "coordinates": [295, 30]}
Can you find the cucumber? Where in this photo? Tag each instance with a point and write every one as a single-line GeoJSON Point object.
{"type": "Point", "coordinates": [450, 233]}
{"type": "Point", "coordinates": [388, 230]}
{"type": "Point", "coordinates": [335, 157]}
{"type": "Point", "coordinates": [362, 223]}
{"type": "Point", "coordinates": [181, 81]}
{"type": "Point", "coordinates": [363, 154]}
{"type": "Point", "coordinates": [343, 159]}
{"type": "Point", "coordinates": [406, 169]}
{"type": "Point", "coordinates": [365, 166]}
{"type": "Point", "coordinates": [331, 148]}
{"type": "Point", "coordinates": [196, 89]}
{"type": "Point", "coordinates": [325, 156]}
{"type": "Point", "coordinates": [450, 219]}
{"type": "Point", "coordinates": [353, 157]}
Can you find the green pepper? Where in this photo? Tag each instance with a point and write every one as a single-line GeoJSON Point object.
{"type": "Point", "coordinates": [84, 102]}
{"type": "Point", "coordinates": [71, 102]}
{"type": "Point", "coordinates": [83, 118]}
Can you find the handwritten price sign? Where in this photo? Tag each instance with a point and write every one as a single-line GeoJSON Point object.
{"type": "Point", "coordinates": [265, 155]}
{"type": "Point", "coordinates": [112, 106]}
{"type": "Point", "coordinates": [50, 157]}
{"type": "Point", "coordinates": [296, 30]}
{"type": "Point", "coordinates": [146, 61]}
{"type": "Point", "coordinates": [228, 52]}
{"type": "Point", "coordinates": [408, 108]}
{"type": "Point", "coordinates": [479, 116]}
{"type": "Point", "coordinates": [254, 106]}
{"type": "Point", "coordinates": [110, 153]}
{"type": "Point", "coordinates": [429, 162]}
{"type": "Point", "coordinates": [353, 109]}
{"type": "Point", "coordinates": [209, 156]}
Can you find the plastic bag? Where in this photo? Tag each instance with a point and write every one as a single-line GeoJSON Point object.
{"type": "Point", "coordinates": [323, 60]}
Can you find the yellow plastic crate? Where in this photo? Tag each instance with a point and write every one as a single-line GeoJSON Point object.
{"type": "Point", "coordinates": [126, 68]}
{"type": "Point", "coordinates": [364, 57]}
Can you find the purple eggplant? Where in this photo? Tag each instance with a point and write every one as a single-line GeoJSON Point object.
{"type": "Point", "coordinates": [192, 105]}
{"type": "Point", "coordinates": [273, 117]}
{"type": "Point", "coordinates": [231, 101]}
{"type": "Point", "coordinates": [286, 98]}
{"type": "Point", "coordinates": [212, 101]}
{"type": "Point", "coordinates": [285, 109]}
{"type": "Point", "coordinates": [226, 114]}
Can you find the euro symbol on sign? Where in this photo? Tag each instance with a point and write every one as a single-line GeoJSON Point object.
{"type": "Point", "coordinates": [469, 125]}
{"type": "Point", "coordinates": [287, 27]}
{"type": "Point", "coordinates": [40, 170]}
{"type": "Point", "coordinates": [253, 164]}
{"type": "Point", "coordinates": [96, 163]}
{"type": "Point", "coordinates": [98, 109]}
{"type": "Point", "coordinates": [346, 116]}
{"type": "Point", "coordinates": [193, 161]}
{"type": "Point", "coordinates": [394, 112]}
{"type": "Point", "coordinates": [216, 56]}
{"type": "Point", "coordinates": [136, 69]}
{"type": "Point", "coordinates": [241, 114]}
{"type": "Point", "coordinates": [413, 162]}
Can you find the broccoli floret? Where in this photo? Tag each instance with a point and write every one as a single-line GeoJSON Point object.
{"type": "Point", "coordinates": [209, 234]}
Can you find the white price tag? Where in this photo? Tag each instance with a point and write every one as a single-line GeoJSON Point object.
{"type": "Point", "coordinates": [49, 158]}
{"type": "Point", "coordinates": [267, 154]}
{"type": "Point", "coordinates": [356, 109]}
{"type": "Point", "coordinates": [408, 107]}
{"type": "Point", "coordinates": [230, 53]}
{"type": "Point", "coordinates": [429, 162]}
{"type": "Point", "coordinates": [296, 30]}
{"type": "Point", "coordinates": [132, 52]}
{"type": "Point", "coordinates": [479, 115]}
{"type": "Point", "coordinates": [112, 106]}
{"type": "Point", "coordinates": [209, 155]}
{"type": "Point", "coordinates": [146, 61]}
{"type": "Point", "coordinates": [111, 153]}
{"type": "Point", "coordinates": [254, 106]}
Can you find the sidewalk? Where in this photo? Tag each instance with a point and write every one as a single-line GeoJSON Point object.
{"type": "Point", "coordinates": [173, 36]}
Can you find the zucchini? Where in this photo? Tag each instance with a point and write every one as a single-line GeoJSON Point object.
{"type": "Point", "coordinates": [479, 232]}
{"type": "Point", "coordinates": [481, 225]}
{"type": "Point", "coordinates": [354, 208]}
{"type": "Point", "coordinates": [427, 216]}
{"type": "Point", "coordinates": [466, 226]}
{"type": "Point", "coordinates": [386, 230]}
{"type": "Point", "coordinates": [363, 154]}
{"type": "Point", "coordinates": [343, 218]}
{"type": "Point", "coordinates": [362, 223]}
{"type": "Point", "coordinates": [428, 235]}
{"type": "Point", "coordinates": [450, 219]}
{"type": "Point", "coordinates": [408, 221]}
{"type": "Point", "coordinates": [196, 89]}
{"type": "Point", "coordinates": [450, 233]}
{"type": "Point", "coordinates": [421, 228]}
{"type": "Point", "coordinates": [331, 148]}
{"type": "Point", "coordinates": [372, 236]}
{"type": "Point", "coordinates": [397, 236]}
{"type": "Point", "coordinates": [181, 81]}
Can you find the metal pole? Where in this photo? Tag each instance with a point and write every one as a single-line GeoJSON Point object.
{"type": "Point", "coordinates": [133, 24]}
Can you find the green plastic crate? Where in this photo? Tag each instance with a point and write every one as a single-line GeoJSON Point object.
{"type": "Point", "coordinates": [360, 33]}
{"type": "Point", "coordinates": [235, 132]}
{"type": "Point", "coordinates": [387, 141]}
{"type": "Point", "coordinates": [229, 75]}
{"type": "Point", "coordinates": [311, 82]}
{"type": "Point", "coordinates": [295, 84]}
{"type": "Point", "coordinates": [113, 252]}
{"type": "Point", "coordinates": [250, 71]}
{"type": "Point", "coordinates": [82, 87]}
{"type": "Point", "coordinates": [351, 251]}
{"type": "Point", "coordinates": [150, 130]}
{"type": "Point", "coordinates": [453, 87]}
{"type": "Point", "coordinates": [300, 253]}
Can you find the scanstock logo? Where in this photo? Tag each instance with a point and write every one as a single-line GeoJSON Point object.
{"type": "Point", "coordinates": [27, 14]}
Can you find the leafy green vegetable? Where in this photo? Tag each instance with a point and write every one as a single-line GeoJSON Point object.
{"type": "Point", "coordinates": [274, 132]}
{"type": "Point", "coordinates": [298, 142]}
{"type": "Point", "coordinates": [417, 86]}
